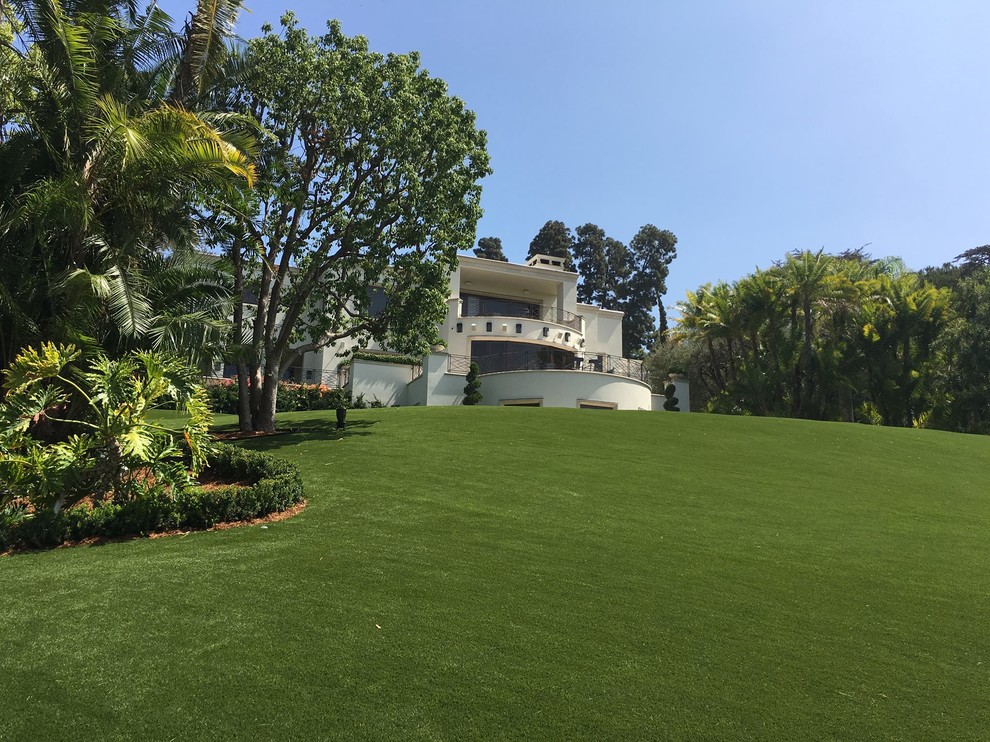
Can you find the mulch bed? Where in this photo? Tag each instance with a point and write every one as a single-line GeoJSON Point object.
{"type": "Point", "coordinates": [205, 481]}
{"type": "Point", "coordinates": [102, 540]}
{"type": "Point", "coordinates": [270, 518]}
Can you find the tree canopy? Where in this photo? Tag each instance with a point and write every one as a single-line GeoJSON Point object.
{"type": "Point", "coordinates": [103, 172]}
{"type": "Point", "coordinates": [840, 338]}
{"type": "Point", "coordinates": [554, 239]}
{"type": "Point", "coordinates": [369, 177]}
{"type": "Point", "coordinates": [631, 279]}
{"type": "Point", "coordinates": [490, 248]}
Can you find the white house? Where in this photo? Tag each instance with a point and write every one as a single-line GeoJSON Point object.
{"type": "Point", "coordinates": [535, 345]}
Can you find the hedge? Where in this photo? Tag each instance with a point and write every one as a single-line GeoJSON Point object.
{"type": "Point", "coordinates": [292, 397]}
{"type": "Point", "coordinates": [277, 486]}
{"type": "Point", "coordinates": [383, 358]}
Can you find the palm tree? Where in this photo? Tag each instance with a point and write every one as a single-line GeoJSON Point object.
{"type": "Point", "coordinates": [109, 169]}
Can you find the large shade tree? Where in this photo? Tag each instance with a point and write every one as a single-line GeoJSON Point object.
{"type": "Point", "coordinates": [368, 184]}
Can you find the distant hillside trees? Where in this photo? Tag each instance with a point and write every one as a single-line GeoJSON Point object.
{"type": "Point", "coordinates": [490, 248]}
{"type": "Point", "coordinates": [554, 239]}
{"type": "Point", "coordinates": [631, 279]}
{"type": "Point", "coordinates": [845, 337]}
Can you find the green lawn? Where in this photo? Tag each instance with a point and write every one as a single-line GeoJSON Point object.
{"type": "Point", "coordinates": [541, 574]}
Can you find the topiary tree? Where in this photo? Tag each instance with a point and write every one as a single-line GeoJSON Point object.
{"type": "Point", "coordinates": [670, 404]}
{"type": "Point", "coordinates": [472, 395]}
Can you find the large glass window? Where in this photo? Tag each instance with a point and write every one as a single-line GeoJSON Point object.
{"type": "Point", "coordinates": [475, 305]}
{"type": "Point", "coordinates": [377, 299]}
{"type": "Point", "coordinates": [502, 355]}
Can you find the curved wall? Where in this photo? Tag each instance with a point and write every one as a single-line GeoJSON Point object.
{"type": "Point", "coordinates": [565, 388]}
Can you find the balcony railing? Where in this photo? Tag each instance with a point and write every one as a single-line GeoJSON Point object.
{"type": "Point", "coordinates": [552, 360]}
{"type": "Point", "coordinates": [458, 364]}
{"type": "Point", "coordinates": [529, 311]}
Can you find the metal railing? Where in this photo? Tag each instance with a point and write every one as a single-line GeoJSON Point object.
{"type": "Point", "coordinates": [531, 311]}
{"type": "Point", "coordinates": [458, 364]}
{"type": "Point", "coordinates": [552, 359]}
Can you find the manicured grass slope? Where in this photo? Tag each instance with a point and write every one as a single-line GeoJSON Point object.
{"type": "Point", "coordinates": [537, 574]}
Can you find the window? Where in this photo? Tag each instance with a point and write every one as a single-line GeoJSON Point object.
{"type": "Point", "coordinates": [475, 305]}
{"type": "Point", "coordinates": [520, 402]}
{"type": "Point", "coordinates": [595, 404]}
{"type": "Point", "coordinates": [488, 327]}
{"type": "Point", "coordinates": [519, 328]}
{"type": "Point", "coordinates": [493, 356]}
{"type": "Point", "coordinates": [460, 327]}
{"type": "Point", "coordinates": [377, 300]}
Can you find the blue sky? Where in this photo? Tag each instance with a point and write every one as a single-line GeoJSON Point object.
{"type": "Point", "coordinates": [748, 128]}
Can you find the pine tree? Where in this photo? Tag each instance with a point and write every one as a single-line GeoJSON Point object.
{"type": "Point", "coordinates": [491, 248]}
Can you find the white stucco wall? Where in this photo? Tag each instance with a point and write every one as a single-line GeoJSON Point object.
{"type": "Point", "coordinates": [683, 393]}
{"type": "Point", "coordinates": [565, 388]}
{"type": "Point", "coordinates": [416, 391]}
{"type": "Point", "coordinates": [437, 386]}
{"type": "Point", "coordinates": [385, 382]}
{"type": "Point", "coordinates": [602, 329]}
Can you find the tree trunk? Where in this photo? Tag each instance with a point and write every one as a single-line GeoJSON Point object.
{"type": "Point", "coordinates": [264, 419]}
{"type": "Point", "coordinates": [244, 421]}
{"type": "Point", "coordinates": [808, 380]}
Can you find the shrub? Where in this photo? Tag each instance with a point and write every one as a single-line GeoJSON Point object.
{"type": "Point", "coordinates": [69, 431]}
{"type": "Point", "coordinates": [274, 485]}
{"type": "Point", "coordinates": [292, 397]}
{"type": "Point", "coordinates": [222, 394]}
{"type": "Point", "coordinates": [472, 393]}
{"type": "Point", "coordinates": [384, 358]}
{"type": "Point", "coordinates": [670, 404]}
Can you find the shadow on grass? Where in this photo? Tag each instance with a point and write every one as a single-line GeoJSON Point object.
{"type": "Point", "coordinates": [298, 431]}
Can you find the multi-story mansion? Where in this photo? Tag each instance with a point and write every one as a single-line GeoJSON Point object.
{"type": "Point", "coordinates": [534, 344]}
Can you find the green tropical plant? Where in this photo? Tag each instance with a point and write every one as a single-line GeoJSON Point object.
{"type": "Point", "coordinates": [823, 337]}
{"type": "Point", "coordinates": [103, 171]}
{"type": "Point", "coordinates": [67, 432]}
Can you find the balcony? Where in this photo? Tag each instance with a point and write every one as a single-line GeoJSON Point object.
{"type": "Point", "coordinates": [485, 306]}
{"type": "Point", "coordinates": [551, 359]}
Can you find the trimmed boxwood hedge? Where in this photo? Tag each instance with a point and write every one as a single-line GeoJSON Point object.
{"type": "Point", "coordinates": [277, 486]}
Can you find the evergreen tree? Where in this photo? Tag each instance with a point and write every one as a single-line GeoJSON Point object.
{"type": "Point", "coordinates": [554, 239]}
{"type": "Point", "coordinates": [604, 265]}
{"type": "Point", "coordinates": [490, 248]}
{"type": "Point", "coordinates": [472, 390]}
{"type": "Point", "coordinates": [651, 252]}
{"type": "Point", "coordinates": [670, 403]}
